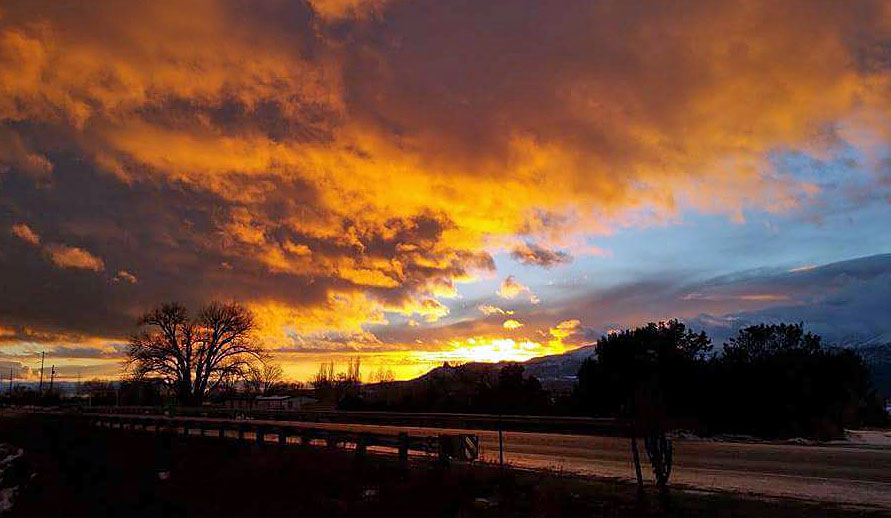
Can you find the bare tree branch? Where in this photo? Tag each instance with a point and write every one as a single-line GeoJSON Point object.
{"type": "Point", "coordinates": [194, 355]}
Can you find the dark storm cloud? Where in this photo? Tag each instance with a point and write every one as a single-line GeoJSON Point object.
{"type": "Point", "coordinates": [533, 254]}
{"type": "Point", "coordinates": [334, 162]}
{"type": "Point", "coordinates": [843, 301]}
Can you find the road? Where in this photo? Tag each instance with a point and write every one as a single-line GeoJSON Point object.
{"type": "Point", "coordinates": [853, 475]}
{"type": "Point", "coordinates": [850, 474]}
{"type": "Point", "coordinates": [841, 473]}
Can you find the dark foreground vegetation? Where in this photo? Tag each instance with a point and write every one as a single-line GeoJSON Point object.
{"type": "Point", "coordinates": [768, 381]}
{"type": "Point", "coordinates": [81, 471]}
{"type": "Point", "coordinates": [771, 381]}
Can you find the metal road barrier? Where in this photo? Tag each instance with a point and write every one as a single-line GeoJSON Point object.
{"type": "Point", "coordinates": [446, 447]}
{"type": "Point", "coordinates": [517, 423]}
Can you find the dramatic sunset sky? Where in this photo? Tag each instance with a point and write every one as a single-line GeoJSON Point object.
{"type": "Point", "coordinates": [419, 181]}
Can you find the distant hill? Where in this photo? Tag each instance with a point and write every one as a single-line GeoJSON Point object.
{"type": "Point", "coordinates": [558, 371]}
{"type": "Point", "coordinates": [555, 372]}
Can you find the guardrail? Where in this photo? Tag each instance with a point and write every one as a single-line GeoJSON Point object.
{"type": "Point", "coordinates": [519, 423]}
{"type": "Point", "coordinates": [445, 447]}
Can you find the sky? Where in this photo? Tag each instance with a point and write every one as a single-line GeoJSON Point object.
{"type": "Point", "coordinates": [420, 181]}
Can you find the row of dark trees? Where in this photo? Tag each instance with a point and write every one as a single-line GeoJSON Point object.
{"type": "Point", "coordinates": [768, 381]}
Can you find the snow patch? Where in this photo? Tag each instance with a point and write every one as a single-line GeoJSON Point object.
{"type": "Point", "coordinates": [7, 494]}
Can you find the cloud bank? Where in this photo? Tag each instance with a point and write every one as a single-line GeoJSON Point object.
{"type": "Point", "coordinates": [348, 163]}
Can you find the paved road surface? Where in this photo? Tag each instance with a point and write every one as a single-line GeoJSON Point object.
{"type": "Point", "coordinates": [855, 475]}
{"type": "Point", "coordinates": [852, 474]}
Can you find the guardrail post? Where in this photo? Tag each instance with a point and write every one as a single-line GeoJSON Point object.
{"type": "Point", "coordinates": [444, 450]}
{"type": "Point", "coordinates": [500, 445]}
{"type": "Point", "coordinates": [361, 445]}
{"type": "Point", "coordinates": [636, 456]}
{"type": "Point", "coordinates": [403, 447]}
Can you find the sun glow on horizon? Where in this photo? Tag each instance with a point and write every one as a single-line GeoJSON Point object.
{"type": "Point", "coordinates": [492, 350]}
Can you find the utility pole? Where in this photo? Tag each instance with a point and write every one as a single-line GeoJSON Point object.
{"type": "Point", "coordinates": [52, 377]}
{"type": "Point", "coordinates": [40, 387]}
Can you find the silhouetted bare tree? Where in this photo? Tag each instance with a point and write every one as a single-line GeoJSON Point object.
{"type": "Point", "coordinates": [324, 379]}
{"type": "Point", "coordinates": [263, 376]}
{"type": "Point", "coordinates": [382, 375]}
{"type": "Point", "coordinates": [194, 355]}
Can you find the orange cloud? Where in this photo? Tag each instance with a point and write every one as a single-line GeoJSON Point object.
{"type": "Point", "coordinates": [512, 288]}
{"type": "Point", "coordinates": [350, 159]}
{"type": "Point", "coordinates": [24, 232]}
{"type": "Point", "coordinates": [565, 329]}
{"type": "Point", "coordinates": [488, 309]}
{"type": "Point", "coordinates": [15, 153]}
{"type": "Point", "coordinates": [125, 276]}
{"type": "Point", "coordinates": [336, 9]}
{"type": "Point", "coordinates": [62, 255]}
{"type": "Point", "coordinates": [511, 324]}
{"type": "Point", "coordinates": [73, 257]}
